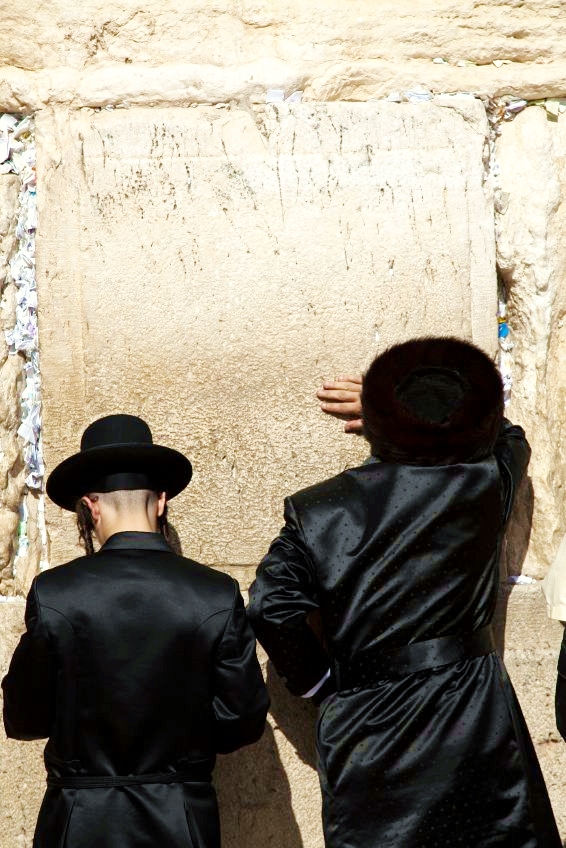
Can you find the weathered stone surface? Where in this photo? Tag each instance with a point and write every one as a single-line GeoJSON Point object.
{"type": "Point", "coordinates": [532, 259]}
{"type": "Point", "coordinates": [206, 272]}
{"type": "Point", "coordinates": [9, 188]}
{"type": "Point", "coordinates": [171, 53]}
{"type": "Point", "coordinates": [227, 32]}
{"type": "Point", "coordinates": [530, 642]}
{"type": "Point", "coordinates": [278, 804]}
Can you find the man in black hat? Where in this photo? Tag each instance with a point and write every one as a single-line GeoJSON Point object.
{"type": "Point", "coordinates": [421, 741]}
{"type": "Point", "coordinates": [137, 663]}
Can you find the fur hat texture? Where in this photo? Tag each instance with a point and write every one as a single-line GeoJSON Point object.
{"type": "Point", "coordinates": [432, 401]}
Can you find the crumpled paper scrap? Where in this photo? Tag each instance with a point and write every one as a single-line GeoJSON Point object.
{"type": "Point", "coordinates": [22, 339]}
{"type": "Point", "coordinates": [521, 579]}
{"type": "Point", "coordinates": [419, 94]}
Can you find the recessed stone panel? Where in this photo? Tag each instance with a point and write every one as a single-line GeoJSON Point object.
{"type": "Point", "coordinates": [206, 268]}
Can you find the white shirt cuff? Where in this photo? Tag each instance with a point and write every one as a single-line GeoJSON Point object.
{"type": "Point", "coordinates": [315, 689]}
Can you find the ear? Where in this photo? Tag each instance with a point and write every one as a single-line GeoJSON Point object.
{"type": "Point", "coordinates": [93, 504]}
{"type": "Point", "coordinates": [161, 503]}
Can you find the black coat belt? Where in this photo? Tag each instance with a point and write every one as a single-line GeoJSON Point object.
{"type": "Point", "coordinates": [198, 774]}
{"type": "Point", "coordinates": [367, 668]}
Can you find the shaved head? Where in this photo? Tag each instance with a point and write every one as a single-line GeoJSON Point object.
{"type": "Point", "coordinates": [122, 510]}
{"type": "Point", "coordinates": [128, 500]}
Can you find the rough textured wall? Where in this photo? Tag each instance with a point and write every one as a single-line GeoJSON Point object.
{"type": "Point", "coordinates": [228, 263]}
{"type": "Point", "coordinates": [532, 261]}
{"type": "Point", "coordinates": [94, 53]}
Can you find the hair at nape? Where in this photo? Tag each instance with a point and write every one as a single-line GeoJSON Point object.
{"type": "Point", "coordinates": [122, 500]}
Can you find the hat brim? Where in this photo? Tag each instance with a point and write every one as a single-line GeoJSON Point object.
{"type": "Point", "coordinates": [168, 470]}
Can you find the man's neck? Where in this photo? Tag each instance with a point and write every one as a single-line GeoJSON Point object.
{"type": "Point", "coordinates": [133, 522]}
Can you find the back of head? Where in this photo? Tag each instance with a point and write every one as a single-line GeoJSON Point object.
{"type": "Point", "coordinates": [432, 401]}
{"type": "Point", "coordinates": [121, 510]}
{"type": "Point", "coordinates": [128, 501]}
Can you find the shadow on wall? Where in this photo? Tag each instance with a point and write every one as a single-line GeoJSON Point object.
{"type": "Point", "coordinates": [254, 795]}
{"type": "Point", "coordinates": [515, 546]}
{"type": "Point", "coordinates": [252, 785]}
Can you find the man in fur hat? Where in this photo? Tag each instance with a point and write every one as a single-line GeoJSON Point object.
{"type": "Point", "coordinates": [137, 664]}
{"type": "Point", "coordinates": [421, 741]}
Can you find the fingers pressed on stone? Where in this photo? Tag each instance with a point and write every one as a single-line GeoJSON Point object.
{"type": "Point", "coordinates": [340, 408]}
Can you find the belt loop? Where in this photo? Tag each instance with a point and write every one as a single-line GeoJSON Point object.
{"type": "Point", "coordinates": [336, 674]}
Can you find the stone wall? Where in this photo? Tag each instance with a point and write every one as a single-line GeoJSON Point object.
{"type": "Point", "coordinates": [532, 263]}
{"type": "Point", "coordinates": [229, 261]}
{"type": "Point", "coordinates": [205, 258]}
{"type": "Point", "coordinates": [98, 53]}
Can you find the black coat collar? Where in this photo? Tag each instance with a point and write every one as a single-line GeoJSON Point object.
{"type": "Point", "coordinates": [131, 539]}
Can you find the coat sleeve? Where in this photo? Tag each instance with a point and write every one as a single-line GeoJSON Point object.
{"type": "Point", "coordinates": [240, 699]}
{"type": "Point", "coordinates": [29, 686]}
{"type": "Point", "coordinates": [281, 597]}
{"type": "Point", "coordinates": [513, 453]}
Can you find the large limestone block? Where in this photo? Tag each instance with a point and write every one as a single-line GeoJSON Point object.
{"type": "Point", "coordinates": [531, 256]}
{"type": "Point", "coordinates": [229, 33]}
{"type": "Point", "coordinates": [206, 271]}
{"type": "Point", "coordinates": [269, 794]}
{"type": "Point", "coordinates": [98, 52]}
{"type": "Point", "coordinates": [530, 644]}
{"type": "Point", "coordinates": [9, 189]}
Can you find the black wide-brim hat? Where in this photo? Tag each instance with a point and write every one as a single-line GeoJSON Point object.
{"type": "Point", "coordinates": [432, 401]}
{"type": "Point", "coordinates": [117, 452]}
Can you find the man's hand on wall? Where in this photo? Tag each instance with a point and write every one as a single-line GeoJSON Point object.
{"type": "Point", "coordinates": [342, 398]}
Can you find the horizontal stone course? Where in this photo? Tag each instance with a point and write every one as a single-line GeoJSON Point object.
{"type": "Point", "coordinates": [168, 53]}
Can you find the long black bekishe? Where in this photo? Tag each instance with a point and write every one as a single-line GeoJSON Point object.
{"type": "Point", "coordinates": [137, 664]}
{"type": "Point", "coordinates": [421, 741]}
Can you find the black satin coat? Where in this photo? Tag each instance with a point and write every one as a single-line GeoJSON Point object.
{"type": "Point", "coordinates": [135, 661]}
{"type": "Point", "coordinates": [389, 555]}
